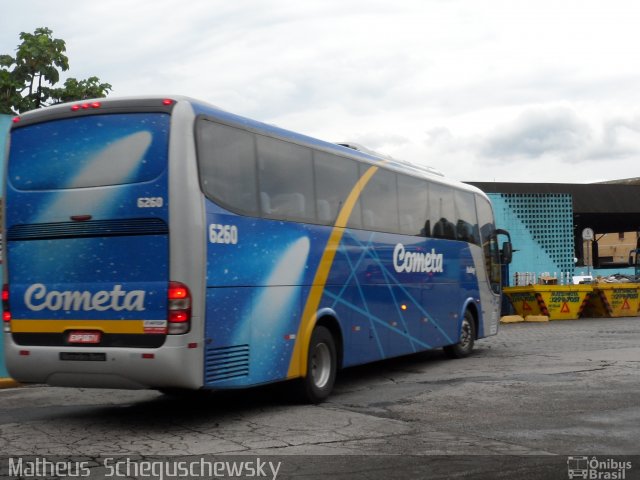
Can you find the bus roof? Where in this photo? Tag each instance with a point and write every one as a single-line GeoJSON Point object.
{"type": "Point", "coordinates": [345, 149]}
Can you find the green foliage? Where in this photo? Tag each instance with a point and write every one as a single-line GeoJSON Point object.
{"type": "Point", "coordinates": [80, 90]}
{"type": "Point", "coordinates": [27, 80]}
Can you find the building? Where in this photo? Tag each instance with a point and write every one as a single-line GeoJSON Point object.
{"type": "Point", "coordinates": [546, 222]}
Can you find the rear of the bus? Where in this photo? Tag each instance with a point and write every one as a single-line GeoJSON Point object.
{"type": "Point", "coordinates": [89, 296]}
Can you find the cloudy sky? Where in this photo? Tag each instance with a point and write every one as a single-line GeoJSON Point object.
{"type": "Point", "coordinates": [491, 90]}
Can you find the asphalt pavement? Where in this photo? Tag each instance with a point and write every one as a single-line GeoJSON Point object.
{"type": "Point", "coordinates": [524, 404]}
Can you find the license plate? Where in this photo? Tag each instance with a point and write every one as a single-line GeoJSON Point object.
{"type": "Point", "coordinates": [83, 356]}
{"type": "Point", "coordinates": [84, 337]}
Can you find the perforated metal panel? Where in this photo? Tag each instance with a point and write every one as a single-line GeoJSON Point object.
{"type": "Point", "coordinates": [541, 226]}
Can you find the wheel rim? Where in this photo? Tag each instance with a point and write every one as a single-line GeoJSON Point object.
{"type": "Point", "coordinates": [465, 335]}
{"type": "Point", "coordinates": [320, 365]}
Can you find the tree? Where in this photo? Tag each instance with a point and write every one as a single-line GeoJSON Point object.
{"type": "Point", "coordinates": [27, 80]}
{"type": "Point", "coordinates": [80, 90]}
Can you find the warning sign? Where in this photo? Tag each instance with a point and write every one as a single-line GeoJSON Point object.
{"type": "Point", "coordinates": [625, 305]}
{"type": "Point", "coordinates": [565, 308]}
{"type": "Point", "coordinates": [525, 306]}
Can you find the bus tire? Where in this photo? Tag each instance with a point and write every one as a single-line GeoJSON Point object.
{"type": "Point", "coordinates": [466, 340]}
{"type": "Point", "coordinates": [317, 385]}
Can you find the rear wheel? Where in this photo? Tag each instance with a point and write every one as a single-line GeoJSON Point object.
{"type": "Point", "coordinates": [321, 366]}
{"type": "Point", "coordinates": [466, 340]}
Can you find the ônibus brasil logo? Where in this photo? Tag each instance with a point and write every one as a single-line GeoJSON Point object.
{"type": "Point", "coordinates": [429, 262]}
{"type": "Point", "coordinates": [37, 298]}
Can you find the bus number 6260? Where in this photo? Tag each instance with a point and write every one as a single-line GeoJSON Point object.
{"type": "Point", "coordinates": [150, 202]}
{"type": "Point", "coordinates": [226, 234]}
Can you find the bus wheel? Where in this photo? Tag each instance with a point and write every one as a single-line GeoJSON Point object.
{"type": "Point", "coordinates": [467, 338]}
{"type": "Point", "coordinates": [321, 366]}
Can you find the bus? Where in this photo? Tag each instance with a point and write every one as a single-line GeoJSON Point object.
{"type": "Point", "coordinates": [164, 243]}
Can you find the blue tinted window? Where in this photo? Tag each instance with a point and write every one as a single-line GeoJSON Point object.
{"type": "Point", "coordinates": [443, 214]}
{"type": "Point", "coordinates": [89, 151]}
{"type": "Point", "coordinates": [227, 160]}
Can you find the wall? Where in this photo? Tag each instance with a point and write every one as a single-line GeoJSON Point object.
{"type": "Point", "coordinates": [541, 228]}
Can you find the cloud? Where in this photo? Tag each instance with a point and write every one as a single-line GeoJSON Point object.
{"type": "Point", "coordinates": [540, 132]}
{"type": "Point", "coordinates": [563, 134]}
{"type": "Point", "coordinates": [458, 84]}
{"type": "Point", "coordinates": [620, 139]}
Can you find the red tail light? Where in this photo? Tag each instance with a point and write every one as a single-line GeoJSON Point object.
{"type": "Point", "coordinates": [6, 310]}
{"type": "Point", "coordinates": [179, 308]}
{"type": "Point", "coordinates": [85, 106]}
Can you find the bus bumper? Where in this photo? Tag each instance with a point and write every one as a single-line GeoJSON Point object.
{"type": "Point", "coordinates": [177, 366]}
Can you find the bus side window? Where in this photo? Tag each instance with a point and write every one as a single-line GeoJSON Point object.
{"type": "Point", "coordinates": [442, 211]}
{"type": "Point", "coordinates": [379, 201]}
{"type": "Point", "coordinates": [369, 219]}
{"type": "Point", "coordinates": [443, 228]}
{"type": "Point", "coordinates": [426, 230]}
{"type": "Point", "coordinates": [408, 224]}
{"type": "Point", "coordinates": [290, 205]}
{"type": "Point", "coordinates": [227, 166]}
{"type": "Point", "coordinates": [413, 204]}
{"type": "Point", "coordinates": [467, 218]}
{"type": "Point", "coordinates": [285, 175]}
{"type": "Point", "coordinates": [324, 211]}
{"type": "Point", "coordinates": [335, 177]}
{"type": "Point", "coordinates": [265, 203]}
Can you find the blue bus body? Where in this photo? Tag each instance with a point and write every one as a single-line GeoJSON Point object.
{"type": "Point", "coordinates": [125, 268]}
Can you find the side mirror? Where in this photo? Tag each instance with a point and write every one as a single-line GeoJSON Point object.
{"type": "Point", "coordinates": [506, 254]}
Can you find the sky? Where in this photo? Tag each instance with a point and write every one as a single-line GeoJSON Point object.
{"type": "Point", "coordinates": [492, 90]}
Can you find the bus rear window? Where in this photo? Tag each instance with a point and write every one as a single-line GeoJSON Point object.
{"type": "Point", "coordinates": [89, 151]}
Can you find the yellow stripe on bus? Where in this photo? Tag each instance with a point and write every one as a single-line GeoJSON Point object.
{"type": "Point", "coordinates": [59, 326]}
{"type": "Point", "coordinates": [298, 364]}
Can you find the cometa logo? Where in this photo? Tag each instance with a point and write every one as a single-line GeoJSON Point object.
{"type": "Point", "coordinates": [38, 298]}
{"type": "Point", "coordinates": [430, 262]}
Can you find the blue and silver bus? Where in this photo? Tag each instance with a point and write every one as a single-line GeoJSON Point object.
{"type": "Point", "coordinates": [164, 243]}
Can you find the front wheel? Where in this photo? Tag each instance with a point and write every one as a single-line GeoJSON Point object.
{"type": "Point", "coordinates": [466, 340]}
{"type": "Point", "coordinates": [321, 366]}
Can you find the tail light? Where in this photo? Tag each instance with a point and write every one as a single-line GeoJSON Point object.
{"type": "Point", "coordinates": [6, 310]}
{"type": "Point", "coordinates": [85, 106]}
{"type": "Point", "coordinates": [179, 308]}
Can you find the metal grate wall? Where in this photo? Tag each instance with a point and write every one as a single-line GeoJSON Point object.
{"type": "Point", "coordinates": [541, 227]}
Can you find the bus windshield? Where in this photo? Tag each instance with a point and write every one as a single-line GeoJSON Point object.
{"type": "Point", "coordinates": [89, 151]}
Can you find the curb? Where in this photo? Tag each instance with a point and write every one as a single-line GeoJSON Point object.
{"type": "Point", "coordinates": [536, 318]}
{"type": "Point", "coordinates": [8, 383]}
{"type": "Point", "coordinates": [511, 319]}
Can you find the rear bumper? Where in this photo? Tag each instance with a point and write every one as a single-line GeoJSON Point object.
{"type": "Point", "coordinates": [169, 366]}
